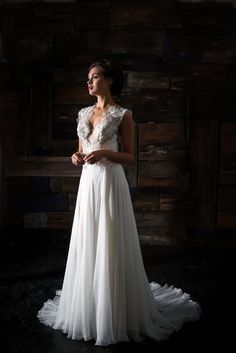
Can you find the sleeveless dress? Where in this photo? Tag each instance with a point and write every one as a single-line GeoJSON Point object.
{"type": "Point", "coordinates": [105, 294]}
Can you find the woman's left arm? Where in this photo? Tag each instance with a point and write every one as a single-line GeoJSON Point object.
{"type": "Point", "coordinates": [127, 140]}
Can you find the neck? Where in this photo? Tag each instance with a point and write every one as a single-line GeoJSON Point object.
{"type": "Point", "coordinates": [104, 101]}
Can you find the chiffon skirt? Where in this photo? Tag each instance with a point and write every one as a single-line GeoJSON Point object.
{"type": "Point", "coordinates": [105, 294]}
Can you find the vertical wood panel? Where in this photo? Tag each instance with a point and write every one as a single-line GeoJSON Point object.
{"type": "Point", "coordinates": [42, 112]}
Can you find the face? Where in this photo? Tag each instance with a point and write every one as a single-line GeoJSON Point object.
{"type": "Point", "coordinates": [97, 82]}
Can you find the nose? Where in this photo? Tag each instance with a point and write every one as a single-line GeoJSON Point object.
{"type": "Point", "coordinates": [89, 80]}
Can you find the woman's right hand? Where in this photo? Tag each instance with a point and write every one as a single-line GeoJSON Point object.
{"type": "Point", "coordinates": [77, 158]}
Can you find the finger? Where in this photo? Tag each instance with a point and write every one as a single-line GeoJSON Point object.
{"type": "Point", "coordinates": [89, 157]}
{"type": "Point", "coordinates": [77, 159]}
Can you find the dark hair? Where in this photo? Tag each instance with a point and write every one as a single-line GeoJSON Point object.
{"type": "Point", "coordinates": [111, 70]}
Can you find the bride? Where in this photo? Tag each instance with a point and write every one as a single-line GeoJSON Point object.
{"type": "Point", "coordinates": [105, 294]}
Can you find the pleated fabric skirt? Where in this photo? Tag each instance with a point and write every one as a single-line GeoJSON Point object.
{"type": "Point", "coordinates": [105, 294]}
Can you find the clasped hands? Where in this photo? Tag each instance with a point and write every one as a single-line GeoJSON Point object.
{"type": "Point", "coordinates": [79, 158]}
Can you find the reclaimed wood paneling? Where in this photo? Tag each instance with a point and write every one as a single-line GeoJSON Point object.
{"type": "Point", "coordinates": [204, 175]}
{"type": "Point", "coordinates": [18, 185]}
{"type": "Point", "coordinates": [99, 42]}
{"type": "Point", "coordinates": [62, 184]}
{"type": "Point", "coordinates": [71, 94]}
{"type": "Point", "coordinates": [43, 166]}
{"type": "Point", "coordinates": [31, 47]}
{"type": "Point", "coordinates": [147, 80]}
{"type": "Point", "coordinates": [228, 140]}
{"type": "Point", "coordinates": [145, 202]}
{"type": "Point", "coordinates": [25, 119]}
{"type": "Point", "coordinates": [64, 147]}
{"type": "Point", "coordinates": [164, 184]}
{"type": "Point", "coordinates": [95, 16]}
{"type": "Point", "coordinates": [137, 42]}
{"type": "Point", "coordinates": [179, 64]}
{"type": "Point", "coordinates": [59, 220]}
{"type": "Point", "coordinates": [67, 45]}
{"type": "Point", "coordinates": [135, 15]}
{"type": "Point", "coordinates": [44, 22]}
{"type": "Point", "coordinates": [168, 153]}
{"type": "Point", "coordinates": [226, 210]}
{"type": "Point", "coordinates": [42, 112]}
{"type": "Point", "coordinates": [161, 133]}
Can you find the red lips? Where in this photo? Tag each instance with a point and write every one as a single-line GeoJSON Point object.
{"type": "Point", "coordinates": [90, 87]}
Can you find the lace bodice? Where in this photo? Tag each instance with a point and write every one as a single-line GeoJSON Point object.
{"type": "Point", "coordinates": [105, 133]}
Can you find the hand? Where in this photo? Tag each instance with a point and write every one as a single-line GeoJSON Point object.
{"type": "Point", "coordinates": [77, 158]}
{"type": "Point", "coordinates": [94, 156]}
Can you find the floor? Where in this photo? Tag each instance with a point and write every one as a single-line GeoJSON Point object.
{"type": "Point", "coordinates": [32, 268]}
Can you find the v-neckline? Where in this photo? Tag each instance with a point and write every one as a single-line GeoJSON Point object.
{"type": "Point", "coordinates": [104, 114]}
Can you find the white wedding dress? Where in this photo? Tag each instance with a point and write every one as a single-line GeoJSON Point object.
{"type": "Point", "coordinates": [106, 295]}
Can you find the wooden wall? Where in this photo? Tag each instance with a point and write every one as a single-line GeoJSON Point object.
{"type": "Point", "coordinates": [180, 78]}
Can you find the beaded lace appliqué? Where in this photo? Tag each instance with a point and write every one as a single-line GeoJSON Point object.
{"type": "Point", "coordinates": [105, 129]}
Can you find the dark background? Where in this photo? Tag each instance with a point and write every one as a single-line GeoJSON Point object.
{"type": "Point", "coordinates": [179, 62]}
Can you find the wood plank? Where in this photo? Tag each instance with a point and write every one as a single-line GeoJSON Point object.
{"type": "Point", "coordinates": [138, 42]}
{"type": "Point", "coordinates": [226, 198]}
{"type": "Point", "coordinates": [25, 118]}
{"type": "Point", "coordinates": [35, 220]}
{"type": "Point", "coordinates": [145, 202]}
{"type": "Point", "coordinates": [65, 46]}
{"type": "Point", "coordinates": [130, 15]}
{"type": "Point", "coordinates": [152, 219]}
{"type": "Point", "coordinates": [217, 53]}
{"type": "Point", "coordinates": [64, 147]}
{"type": "Point", "coordinates": [156, 105]}
{"type": "Point", "coordinates": [226, 220]}
{"type": "Point", "coordinates": [204, 176]}
{"type": "Point", "coordinates": [99, 42]}
{"type": "Point", "coordinates": [65, 185]}
{"type": "Point", "coordinates": [60, 220]}
{"type": "Point", "coordinates": [158, 184]}
{"type": "Point", "coordinates": [98, 12]}
{"type": "Point", "coordinates": [72, 94]}
{"type": "Point", "coordinates": [18, 185]}
{"type": "Point", "coordinates": [163, 153]}
{"type": "Point", "coordinates": [168, 202]}
{"type": "Point", "coordinates": [160, 169]}
{"type": "Point", "coordinates": [42, 111]}
{"type": "Point", "coordinates": [228, 140]}
{"type": "Point", "coordinates": [65, 130]}
{"type": "Point", "coordinates": [2, 182]}
{"type": "Point", "coordinates": [156, 235]}
{"type": "Point", "coordinates": [161, 133]}
{"type": "Point", "coordinates": [66, 112]}
{"type": "Point", "coordinates": [227, 177]}
{"type": "Point", "coordinates": [72, 201]}
{"type": "Point", "coordinates": [147, 79]}
{"type": "Point", "coordinates": [43, 166]}
{"type": "Point", "coordinates": [38, 202]}
{"type": "Point", "coordinates": [30, 47]}
{"type": "Point", "coordinates": [44, 22]}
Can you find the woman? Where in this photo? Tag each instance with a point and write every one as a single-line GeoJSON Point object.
{"type": "Point", "coordinates": [106, 295]}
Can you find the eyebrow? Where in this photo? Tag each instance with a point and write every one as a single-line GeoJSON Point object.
{"type": "Point", "coordinates": [94, 74]}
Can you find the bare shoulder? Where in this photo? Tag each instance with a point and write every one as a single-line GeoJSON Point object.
{"type": "Point", "coordinates": [128, 113]}
{"type": "Point", "coordinates": [127, 116]}
{"type": "Point", "coordinates": [127, 121]}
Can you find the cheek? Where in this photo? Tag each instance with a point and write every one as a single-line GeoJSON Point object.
{"type": "Point", "coordinates": [101, 84]}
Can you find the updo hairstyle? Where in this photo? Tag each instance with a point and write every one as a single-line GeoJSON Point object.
{"type": "Point", "coordinates": [111, 70]}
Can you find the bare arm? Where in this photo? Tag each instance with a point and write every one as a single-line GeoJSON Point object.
{"type": "Point", "coordinates": [80, 147]}
{"type": "Point", "coordinates": [127, 141]}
